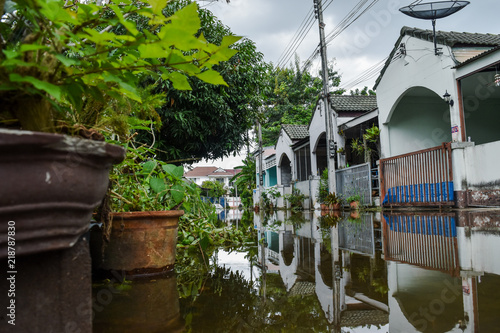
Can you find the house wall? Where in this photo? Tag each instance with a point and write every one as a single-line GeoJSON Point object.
{"type": "Point", "coordinates": [283, 147]}
{"type": "Point", "coordinates": [418, 123]}
{"type": "Point", "coordinates": [419, 68]}
{"type": "Point", "coordinates": [482, 163]}
{"type": "Point", "coordinates": [270, 178]}
{"type": "Point", "coordinates": [316, 130]}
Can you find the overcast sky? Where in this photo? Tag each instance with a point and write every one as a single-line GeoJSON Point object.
{"type": "Point", "coordinates": [272, 25]}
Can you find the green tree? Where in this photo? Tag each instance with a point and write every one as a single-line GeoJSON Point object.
{"type": "Point", "coordinates": [246, 181]}
{"type": "Point", "coordinates": [363, 92]}
{"type": "Point", "coordinates": [211, 121]}
{"type": "Point", "coordinates": [291, 96]}
{"type": "Point", "coordinates": [215, 188]}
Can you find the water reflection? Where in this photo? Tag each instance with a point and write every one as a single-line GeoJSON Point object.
{"type": "Point", "coordinates": [390, 272]}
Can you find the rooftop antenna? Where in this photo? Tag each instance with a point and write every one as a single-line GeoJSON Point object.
{"type": "Point", "coordinates": [433, 11]}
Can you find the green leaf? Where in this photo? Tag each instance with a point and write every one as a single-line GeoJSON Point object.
{"type": "Point", "coordinates": [148, 167]}
{"type": "Point", "coordinates": [177, 192]}
{"type": "Point", "coordinates": [204, 242]}
{"type": "Point", "coordinates": [179, 81]}
{"type": "Point", "coordinates": [211, 76]}
{"type": "Point", "coordinates": [157, 184]}
{"type": "Point", "coordinates": [51, 89]}
{"type": "Point", "coordinates": [174, 171]}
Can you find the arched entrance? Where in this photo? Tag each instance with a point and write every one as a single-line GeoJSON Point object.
{"type": "Point", "coordinates": [420, 120]}
{"type": "Point", "coordinates": [320, 152]}
{"type": "Point", "coordinates": [286, 170]}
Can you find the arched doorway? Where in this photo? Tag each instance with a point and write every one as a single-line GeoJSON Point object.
{"type": "Point", "coordinates": [420, 120]}
{"type": "Point", "coordinates": [320, 152]}
{"type": "Point", "coordinates": [286, 170]}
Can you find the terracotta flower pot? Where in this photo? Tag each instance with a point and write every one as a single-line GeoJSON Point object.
{"type": "Point", "coordinates": [335, 206]}
{"type": "Point", "coordinates": [51, 184]}
{"type": "Point", "coordinates": [354, 204]}
{"type": "Point", "coordinates": [142, 242]}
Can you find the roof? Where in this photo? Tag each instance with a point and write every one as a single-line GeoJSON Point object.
{"type": "Point", "coordinates": [200, 171]}
{"type": "Point", "coordinates": [451, 39]}
{"type": "Point", "coordinates": [478, 57]}
{"type": "Point", "coordinates": [210, 171]}
{"type": "Point", "coordinates": [353, 103]}
{"type": "Point", "coordinates": [296, 132]}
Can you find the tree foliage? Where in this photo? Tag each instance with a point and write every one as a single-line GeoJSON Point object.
{"type": "Point", "coordinates": [214, 188]}
{"type": "Point", "coordinates": [291, 96]}
{"type": "Point", "coordinates": [211, 121]}
{"type": "Point", "coordinates": [80, 61]}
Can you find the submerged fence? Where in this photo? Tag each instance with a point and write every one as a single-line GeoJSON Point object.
{"type": "Point", "coordinates": [424, 177]}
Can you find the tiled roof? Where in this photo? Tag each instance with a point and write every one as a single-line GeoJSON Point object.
{"type": "Point", "coordinates": [453, 38]}
{"type": "Point", "coordinates": [210, 171]}
{"type": "Point", "coordinates": [296, 132]}
{"type": "Point", "coordinates": [200, 171]}
{"type": "Point", "coordinates": [353, 103]}
{"type": "Point", "coordinates": [463, 39]}
{"type": "Point", "coordinates": [479, 56]}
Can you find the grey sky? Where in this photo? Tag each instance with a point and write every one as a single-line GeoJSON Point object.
{"type": "Point", "coordinates": [271, 24]}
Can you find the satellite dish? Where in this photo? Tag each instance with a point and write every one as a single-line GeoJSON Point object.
{"type": "Point", "coordinates": [433, 11]}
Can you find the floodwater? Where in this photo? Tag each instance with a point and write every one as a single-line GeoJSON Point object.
{"type": "Point", "coordinates": [372, 272]}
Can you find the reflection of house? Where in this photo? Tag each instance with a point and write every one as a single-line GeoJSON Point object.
{"type": "Point", "coordinates": [440, 275]}
{"type": "Point", "coordinates": [415, 120]}
{"type": "Point", "coordinates": [310, 264]}
{"type": "Point", "coordinates": [211, 173]}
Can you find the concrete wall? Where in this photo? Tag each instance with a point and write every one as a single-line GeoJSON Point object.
{"type": "Point", "coordinates": [423, 69]}
{"type": "Point", "coordinates": [481, 166]}
{"type": "Point", "coordinates": [316, 130]}
{"type": "Point", "coordinates": [283, 147]}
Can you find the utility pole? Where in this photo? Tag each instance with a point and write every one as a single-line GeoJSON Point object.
{"type": "Point", "coordinates": [330, 127]}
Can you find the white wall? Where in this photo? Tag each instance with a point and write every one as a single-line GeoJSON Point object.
{"type": "Point", "coordinates": [481, 166]}
{"type": "Point", "coordinates": [283, 146]}
{"type": "Point", "coordinates": [419, 68]}
{"type": "Point", "coordinates": [316, 129]}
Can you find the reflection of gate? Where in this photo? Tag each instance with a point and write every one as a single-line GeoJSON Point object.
{"type": "Point", "coordinates": [357, 236]}
{"type": "Point", "coordinates": [422, 178]}
{"type": "Point", "coordinates": [428, 240]}
{"type": "Point", "coordinates": [355, 180]}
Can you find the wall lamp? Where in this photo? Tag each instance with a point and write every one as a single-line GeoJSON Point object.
{"type": "Point", "coordinates": [447, 98]}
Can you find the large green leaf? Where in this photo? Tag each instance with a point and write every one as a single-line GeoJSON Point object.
{"type": "Point", "coordinates": [51, 89]}
{"type": "Point", "coordinates": [175, 171]}
{"type": "Point", "coordinates": [157, 184]}
{"type": "Point", "coordinates": [211, 76]}
{"type": "Point", "coordinates": [177, 192]}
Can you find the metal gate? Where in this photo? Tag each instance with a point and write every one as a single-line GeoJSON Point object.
{"type": "Point", "coordinates": [422, 178]}
{"type": "Point", "coordinates": [355, 180]}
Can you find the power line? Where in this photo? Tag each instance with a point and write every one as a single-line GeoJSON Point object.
{"type": "Point", "coordinates": [297, 39]}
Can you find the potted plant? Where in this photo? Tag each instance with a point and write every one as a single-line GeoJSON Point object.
{"type": "Point", "coordinates": [141, 219]}
{"type": "Point", "coordinates": [353, 201]}
{"type": "Point", "coordinates": [67, 67]}
{"type": "Point", "coordinates": [333, 201]}
{"type": "Point", "coordinates": [296, 199]}
{"type": "Point", "coordinates": [323, 190]}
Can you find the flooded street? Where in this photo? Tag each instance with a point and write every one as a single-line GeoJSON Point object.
{"type": "Point", "coordinates": [369, 272]}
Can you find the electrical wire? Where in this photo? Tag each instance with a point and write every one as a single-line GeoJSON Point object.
{"type": "Point", "coordinates": [297, 39]}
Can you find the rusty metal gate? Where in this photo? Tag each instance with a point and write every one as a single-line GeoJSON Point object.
{"type": "Point", "coordinates": [422, 178]}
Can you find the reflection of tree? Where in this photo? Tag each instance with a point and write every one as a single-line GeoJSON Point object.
{"type": "Point", "coordinates": [226, 302]}
{"type": "Point", "coordinates": [369, 276]}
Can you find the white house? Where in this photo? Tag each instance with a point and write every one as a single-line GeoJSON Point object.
{"type": "Point", "coordinates": [438, 152]}
{"type": "Point", "coordinates": [211, 173]}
